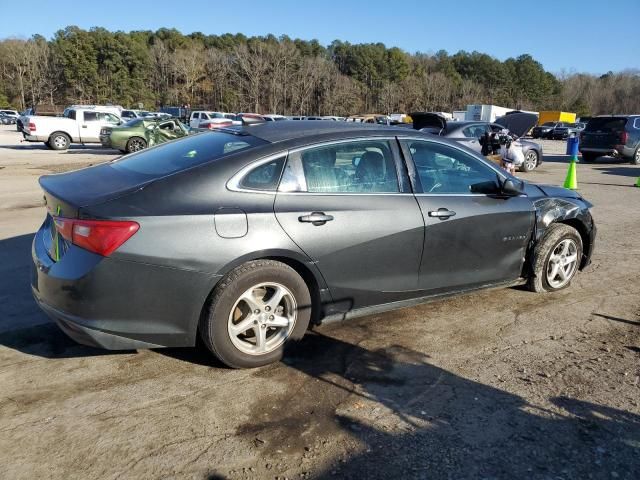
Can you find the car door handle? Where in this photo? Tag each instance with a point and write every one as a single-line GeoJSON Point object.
{"type": "Point", "coordinates": [442, 213]}
{"type": "Point", "coordinates": [317, 218]}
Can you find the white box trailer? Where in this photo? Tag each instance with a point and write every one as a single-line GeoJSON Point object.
{"type": "Point", "coordinates": [486, 113]}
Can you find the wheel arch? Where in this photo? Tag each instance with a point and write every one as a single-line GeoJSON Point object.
{"type": "Point", "coordinates": [300, 263]}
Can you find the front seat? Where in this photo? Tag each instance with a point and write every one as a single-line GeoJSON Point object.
{"type": "Point", "coordinates": [370, 172]}
{"type": "Point", "coordinates": [320, 171]}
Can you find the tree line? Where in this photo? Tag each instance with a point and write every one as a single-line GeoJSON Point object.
{"type": "Point", "coordinates": [288, 76]}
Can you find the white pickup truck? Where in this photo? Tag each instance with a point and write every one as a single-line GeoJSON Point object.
{"type": "Point", "coordinates": [77, 125]}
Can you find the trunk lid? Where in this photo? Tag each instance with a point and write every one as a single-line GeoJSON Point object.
{"type": "Point", "coordinates": [430, 122]}
{"type": "Point", "coordinates": [65, 195]}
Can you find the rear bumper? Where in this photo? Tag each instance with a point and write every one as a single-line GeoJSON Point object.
{"type": "Point", "coordinates": [117, 304]}
{"type": "Point", "coordinates": [600, 150]}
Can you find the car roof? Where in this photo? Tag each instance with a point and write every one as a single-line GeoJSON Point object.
{"type": "Point", "coordinates": [303, 129]}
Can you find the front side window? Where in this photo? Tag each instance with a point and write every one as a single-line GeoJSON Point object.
{"type": "Point", "coordinates": [264, 177]}
{"type": "Point", "coordinates": [365, 166]}
{"type": "Point", "coordinates": [447, 170]}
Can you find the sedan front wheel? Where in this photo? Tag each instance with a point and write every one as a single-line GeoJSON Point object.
{"type": "Point", "coordinates": [254, 311]}
{"type": "Point", "coordinates": [556, 259]}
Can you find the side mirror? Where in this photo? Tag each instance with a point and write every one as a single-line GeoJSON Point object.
{"type": "Point", "coordinates": [512, 187]}
{"type": "Point", "coordinates": [487, 188]}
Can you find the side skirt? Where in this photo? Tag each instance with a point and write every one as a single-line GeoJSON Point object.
{"type": "Point", "coordinates": [385, 307]}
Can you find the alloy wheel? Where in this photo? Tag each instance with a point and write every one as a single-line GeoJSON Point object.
{"type": "Point", "coordinates": [562, 264]}
{"type": "Point", "coordinates": [530, 160]}
{"type": "Point", "coordinates": [136, 144]}
{"type": "Point", "coordinates": [262, 318]}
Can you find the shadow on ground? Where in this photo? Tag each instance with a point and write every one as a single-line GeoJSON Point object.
{"type": "Point", "coordinates": [413, 419]}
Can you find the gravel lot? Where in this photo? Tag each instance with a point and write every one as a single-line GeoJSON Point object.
{"type": "Point", "coordinates": [499, 384]}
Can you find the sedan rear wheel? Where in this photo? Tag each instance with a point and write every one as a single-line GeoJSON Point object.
{"type": "Point", "coordinates": [254, 311]}
{"type": "Point", "coordinates": [556, 259]}
{"type": "Point", "coordinates": [530, 161]}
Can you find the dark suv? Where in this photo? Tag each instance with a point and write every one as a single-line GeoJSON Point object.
{"type": "Point", "coordinates": [617, 135]}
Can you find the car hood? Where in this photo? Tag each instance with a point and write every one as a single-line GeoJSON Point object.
{"type": "Point", "coordinates": [428, 120]}
{"type": "Point", "coordinates": [534, 190]}
{"type": "Point", "coordinates": [518, 123]}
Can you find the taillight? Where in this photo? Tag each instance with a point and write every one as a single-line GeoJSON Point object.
{"type": "Point", "coordinates": [98, 236]}
{"type": "Point", "coordinates": [624, 137]}
{"type": "Point", "coordinates": [32, 127]}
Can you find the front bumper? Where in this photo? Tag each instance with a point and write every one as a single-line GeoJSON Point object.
{"type": "Point", "coordinates": [117, 304]}
{"type": "Point", "coordinates": [105, 140]}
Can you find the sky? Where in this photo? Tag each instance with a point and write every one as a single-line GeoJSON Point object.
{"type": "Point", "coordinates": [564, 35]}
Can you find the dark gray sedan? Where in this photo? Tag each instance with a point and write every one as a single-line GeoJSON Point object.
{"type": "Point", "coordinates": [247, 236]}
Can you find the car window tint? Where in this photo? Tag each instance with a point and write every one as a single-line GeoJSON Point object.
{"type": "Point", "coordinates": [444, 169]}
{"type": "Point", "coordinates": [90, 116]}
{"type": "Point", "coordinates": [606, 124]}
{"type": "Point", "coordinates": [265, 176]}
{"type": "Point", "coordinates": [182, 154]}
{"type": "Point", "coordinates": [350, 167]}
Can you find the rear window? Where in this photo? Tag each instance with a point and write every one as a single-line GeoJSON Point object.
{"type": "Point", "coordinates": [182, 154]}
{"type": "Point", "coordinates": [608, 124]}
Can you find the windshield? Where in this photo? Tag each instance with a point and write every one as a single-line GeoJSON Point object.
{"type": "Point", "coordinates": [183, 154]}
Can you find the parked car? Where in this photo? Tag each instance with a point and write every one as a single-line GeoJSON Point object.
{"type": "Point", "coordinates": [274, 118]}
{"type": "Point", "coordinates": [546, 129]}
{"type": "Point", "coordinates": [202, 119]}
{"type": "Point", "coordinates": [130, 114]}
{"type": "Point", "coordinates": [564, 132]}
{"type": "Point", "coordinates": [370, 118]}
{"type": "Point", "coordinates": [140, 133]}
{"type": "Point", "coordinates": [7, 119]}
{"type": "Point", "coordinates": [617, 135]}
{"type": "Point", "coordinates": [77, 125]}
{"type": "Point", "coordinates": [246, 236]}
{"type": "Point", "coordinates": [469, 133]}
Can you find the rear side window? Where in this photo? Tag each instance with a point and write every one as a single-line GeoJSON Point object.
{"type": "Point", "coordinates": [474, 131]}
{"type": "Point", "coordinates": [90, 116]}
{"type": "Point", "coordinates": [606, 124]}
{"type": "Point", "coordinates": [349, 167]}
{"type": "Point", "coordinates": [264, 177]}
{"type": "Point", "coordinates": [182, 154]}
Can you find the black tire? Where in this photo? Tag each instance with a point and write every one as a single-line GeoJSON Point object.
{"type": "Point", "coordinates": [135, 144]}
{"type": "Point", "coordinates": [59, 141]}
{"type": "Point", "coordinates": [635, 160]}
{"type": "Point", "coordinates": [553, 237]}
{"type": "Point", "coordinates": [531, 159]}
{"type": "Point", "coordinates": [48, 145]}
{"type": "Point", "coordinates": [590, 157]}
{"type": "Point", "coordinates": [214, 324]}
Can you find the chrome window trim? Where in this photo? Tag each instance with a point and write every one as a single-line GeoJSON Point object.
{"type": "Point", "coordinates": [233, 184]}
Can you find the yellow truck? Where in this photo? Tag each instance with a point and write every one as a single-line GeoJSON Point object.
{"type": "Point", "coordinates": [544, 117]}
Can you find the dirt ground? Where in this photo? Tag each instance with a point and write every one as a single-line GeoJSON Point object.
{"type": "Point", "coordinates": [501, 384]}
